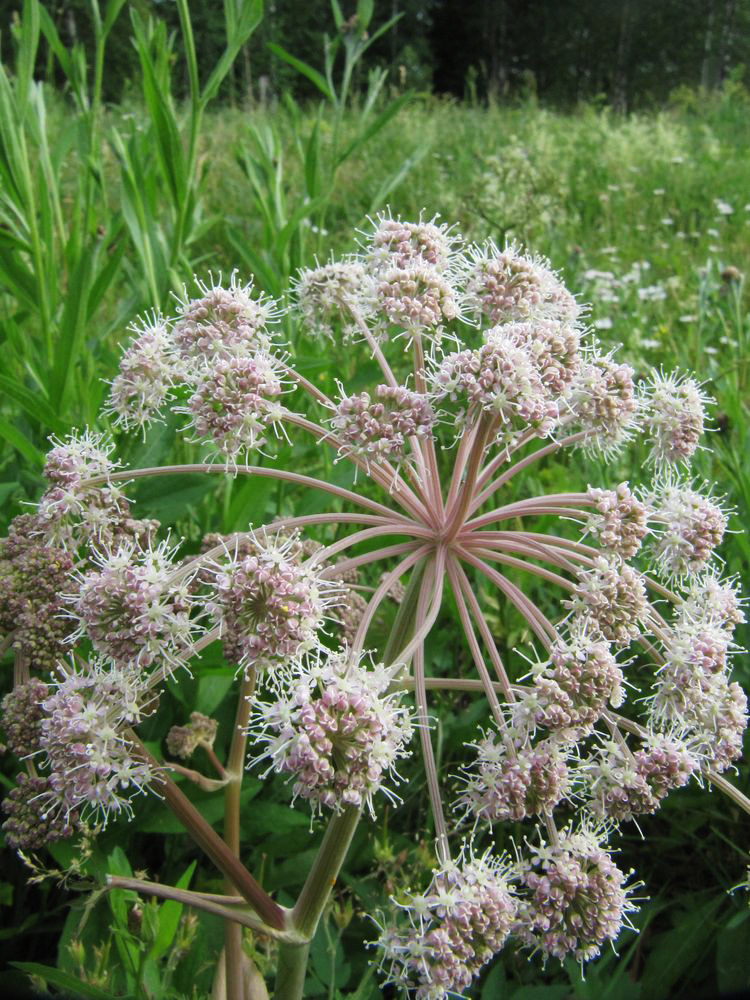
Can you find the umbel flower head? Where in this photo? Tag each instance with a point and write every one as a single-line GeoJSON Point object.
{"type": "Point", "coordinates": [91, 764]}
{"type": "Point", "coordinates": [447, 934]}
{"type": "Point", "coordinates": [269, 603]}
{"type": "Point", "coordinates": [337, 731]}
{"type": "Point", "coordinates": [33, 576]}
{"type": "Point", "coordinates": [485, 370]}
{"type": "Point", "coordinates": [573, 898]}
{"type": "Point", "coordinates": [133, 609]}
{"type": "Point", "coordinates": [513, 779]}
{"type": "Point", "coordinates": [381, 427]}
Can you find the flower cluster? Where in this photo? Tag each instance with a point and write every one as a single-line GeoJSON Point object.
{"type": "Point", "coordinates": [486, 368]}
{"type": "Point", "coordinates": [619, 521]}
{"type": "Point", "coordinates": [509, 285]}
{"type": "Point", "coordinates": [135, 606]}
{"type": "Point", "coordinates": [501, 379]}
{"type": "Point", "coordinates": [455, 927]}
{"type": "Point", "coordinates": [515, 781]}
{"type": "Point", "coordinates": [219, 348]}
{"type": "Point", "coordinates": [337, 731]}
{"type": "Point", "coordinates": [33, 575]}
{"type": "Point", "coordinates": [622, 784]}
{"type": "Point", "coordinates": [27, 828]}
{"type": "Point", "coordinates": [689, 526]}
{"type": "Point", "coordinates": [148, 371]}
{"type": "Point", "coordinates": [610, 598]}
{"type": "Point", "coordinates": [84, 508]}
{"type": "Point", "coordinates": [269, 604]}
{"type": "Point", "coordinates": [573, 898]}
{"type": "Point", "coordinates": [83, 742]}
{"type": "Point", "coordinates": [380, 428]}
{"type": "Point", "coordinates": [573, 688]}
{"type": "Point", "coordinates": [183, 741]}
{"type": "Point", "coordinates": [605, 405]}
{"type": "Point", "coordinates": [22, 714]}
{"type": "Point", "coordinates": [674, 417]}
{"type": "Point", "coordinates": [329, 297]}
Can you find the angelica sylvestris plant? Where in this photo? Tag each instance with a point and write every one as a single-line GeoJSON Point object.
{"type": "Point", "coordinates": [486, 370]}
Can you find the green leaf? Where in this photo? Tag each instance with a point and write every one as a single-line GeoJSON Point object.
{"type": "Point", "coordinates": [678, 950]}
{"type": "Point", "coordinates": [21, 443]}
{"type": "Point", "coordinates": [552, 991]}
{"type": "Point", "coordinates": [71, 330]}
{"type": "Point", "coordinates": [732, 950]}
{"type": "Point", "coordinates": [269, 278]}
{"type": "Point", "coordinates": [393, 180]}
{"type": "Point", "coordinates": [169, 916]}
{"type": "Point", "coordinates": [381, 31]}
{"type": "Point", "coordinates": [250, 501]}
{"type": "Point", "coordinates": [33, 404]}
{"type": "Point", "coordinates": [376, 125]}
{"type": "Point", "coordinates": [53, 40]}
{"type": "Point", "coordinates": [118, 864]}
{"type": "Point", "coordinates": [365, 10]}
{"type": "Point", "coordinates": [113, 12]}
{"type": "Point", "coordinates": [169, 497]}
{"type": "Point", "coordinates": [249, 18]}
{"type": "Point", "coordinates": [212, 690]}
{"type": "Point", "coordinates": [28, 44]}
{"type": "Point", "coordinates": [311, 160]}
{"type": "Point", "coordinates": [65, 981]}
{"type": "Point", "coordinates": [7, 490]}
{"type": "Point", "coordinates": [495, 985]}
{"type": "Point", "coordinates": [338, 17]}
{"type": "Point", "coordinates": [304, 68]}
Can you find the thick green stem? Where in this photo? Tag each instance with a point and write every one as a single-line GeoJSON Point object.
{"type": "Point", "coordinates": [292, 961]}
{"type": "Point", "coordinates": [291, 971]}
{"type": "Point", "coordinates": [325, 870]}
{"type": "Point", "coordinates": [290, 976]}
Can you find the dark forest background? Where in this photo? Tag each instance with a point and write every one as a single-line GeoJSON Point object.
{"type": "Point", "coordinates": [628, 53]}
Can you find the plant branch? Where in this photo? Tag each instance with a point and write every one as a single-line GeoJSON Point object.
{"type": "Point", "coordinates": [211, 843]}
{"type": "Point", "coordinates": [233, 908]}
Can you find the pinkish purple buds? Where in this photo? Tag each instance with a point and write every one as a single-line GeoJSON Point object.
{"type": "Point", "coordinates": [337, 731]}
{"type": "Point", "coordinates": [512, 780]}
{"type": "Point", "coordinates": [92, 766]}
{"type": "Point", "coordinates": [326, 298]}
{"type": "Point", "coordinates": [573, 898]}
{"type": "Point", "coordinates": [577, 683]}
{"type": "Point", "coordinates": [417, 297]}
{"type": "Point", "coordinates": [458, 925]}
{"type": "Point", "coordinates": [611, 598]}
{"type": "Point", "coordinates": [222, 322]}
{"type": "Point", "coordinates": [619, 520]}
{"type": "Point", "coordinates": [622, 784]}
{"type": "Point", "coordinates": [380, 428]}
{"type": "Point", "coordinates": [688, 527]}
{"type": "Point", "coordinates": [147, 373]}
{"type": "Point", "coordinates": [508, 286]}
{"type": "Point", "coordinates": [268, 603]}
{"type": "Point", "coordinates": [235, 401]}
{"type": "Point", "coordinates": [401, 244]}
{"type": "Point", "coordinates": [605, 405]}
{"type": "Point", "coordinates": [499, 379]}
{"type": "Point", "coordinates": [133, 610]}
{"type": "Point", "coordinates": [674, 417]}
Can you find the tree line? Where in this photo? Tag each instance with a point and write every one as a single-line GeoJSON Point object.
{"type": "Point", "coordinates": [628, 53]}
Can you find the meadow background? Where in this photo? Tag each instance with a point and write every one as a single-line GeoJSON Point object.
{"type": "Point", "coordinates": [142, 143]}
